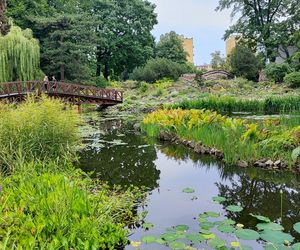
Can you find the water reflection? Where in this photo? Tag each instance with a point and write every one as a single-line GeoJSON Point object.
{"type": "Point", "coordinates": [120, 156]}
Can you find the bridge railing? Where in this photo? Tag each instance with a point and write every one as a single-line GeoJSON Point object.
{"type": "Point", "coordinates": [59, 88]}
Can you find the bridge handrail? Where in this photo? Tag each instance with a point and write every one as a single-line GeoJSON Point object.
{"type": "Point", "coordinates": [61, 88]}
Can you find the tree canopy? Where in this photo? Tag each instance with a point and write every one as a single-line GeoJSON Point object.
{"type": "Point", "coordinates": [266, 23]}
{"type": "Point", "coordinates": [19, 55]}
{"type": "Point", "coordinates": [217, 61]}
{"type": "Point", "coordinates": [170, 46]}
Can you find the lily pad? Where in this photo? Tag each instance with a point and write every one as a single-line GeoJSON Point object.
{"type": "Point", "coordinates": [296, 246]}
{"type": "Point", "coordinates": [207, 225]}
{"type": "Point", "coordinates": [276, 237]}
{"type": "Point", "coordinates": [177, 245]}
{"type": "Point", "coordinates": [261, 218]}
{"type": "Point", "coordinates": [160, 241]}
{"type": "Point", "coordinates": [209, 236]}
{"type": "Point", "coordinates": [203, 216]}
{"type": "Point", "coordinates": [297, 227]}
{"type": "Point", "coordinates": [217, 243]}
{"type": "Point", "coordinates": [148, 239]}
{"type": "Point", "coordinates": [226, 229]}
{"type": "Point", "coordinates": [218, 199]}
{"type": "Point", "coordinates": [204, 231]}
{"type": "Point", "coordinates": [169, 237]}
{"type": "Point", "coordinates": [195, 238]}
{"type": "Point", "coordinates": [147, 226]}
{"type": "Point", "coordinates": [181, 228]}
{"type": "Point", "coordinates": [212, 214]}
{"type": "Point", "coordinates": [234, 208]}
{"type": "Point", "coordinates": [188, 190]}
{"type": "Point", "coordinates": [228, 222]}
{"type": "Point", "coordinates": [269, 226]}
{"type": "Point", "coordinates": [247, 234]}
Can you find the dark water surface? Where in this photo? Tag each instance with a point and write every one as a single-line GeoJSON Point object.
{"type": "Point", "coordinates": [115, 153]}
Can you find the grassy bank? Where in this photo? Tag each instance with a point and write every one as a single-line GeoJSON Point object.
{"type": "Point", "coordinates": [45, 202]}
{"type": "Point", "coordinates": [225, 104]}
{"type": "Point", "coordinates": [236, 138]}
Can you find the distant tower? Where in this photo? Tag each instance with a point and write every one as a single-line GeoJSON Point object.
{"type": "Point", "coordinates": [188, 45]}
{"type": "Point", "coordinates": [231, 43]}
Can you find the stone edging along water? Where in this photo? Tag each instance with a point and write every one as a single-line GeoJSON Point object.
{"type": "Point", "coordinates": [200, 148]}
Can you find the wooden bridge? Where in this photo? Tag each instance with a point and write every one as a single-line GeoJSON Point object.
{"type": "Point", "coordinates": [68, 92]}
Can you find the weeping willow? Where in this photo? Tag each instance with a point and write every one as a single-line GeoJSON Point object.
{"type": "Point", "coordinates": [19, 55]}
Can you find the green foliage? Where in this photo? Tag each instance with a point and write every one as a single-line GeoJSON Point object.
{"type": "Point", "coordinates": [101, 82]}
{"type": "Point", "coordinates": [277, 72]}
{"type": "Point", "coordinates": [230, 104]}
{"type": "Point", "coordinates": [37, 131]}
{"type": "Point", "coordinates": [244, 63]}
{"type": "Point", "coordinates": [170, 47]}
{"type": "Point", "coordinates": [56, 210]}
{"type": "Point", "coordinates": [5, 26]}
{"type": "Point", "coordinates": [19, 55]}
{"type": "Point", "coordinates": [217, 61]}
{"type": "Point", "coordinates": [157, 69]}
{"type": "Point", "coordinates": [261, 24]}
{"type": "Point", "coordinates": [293, 79]}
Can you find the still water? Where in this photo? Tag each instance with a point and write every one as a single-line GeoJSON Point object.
{"type": "Point", "coordinates": [115, 153]}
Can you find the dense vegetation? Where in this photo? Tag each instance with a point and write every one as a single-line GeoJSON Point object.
{"type": "Point", "coordinates": [228, 105]}
{"type": "Point", "coordinates": [49, 204]}
{"type": "Point", "coordinates": [238, 139]}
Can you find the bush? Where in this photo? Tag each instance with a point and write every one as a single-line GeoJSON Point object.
{"type": "Point", "coordinates": [157, 69]}
{"type": "Point", "coordinates": [293, 79]}
{"type": "Point", "coordinates": [37, 131]}
{"type": "Point", "coordinates": [244, 63]}
{"type": "Point", "coordinates": [101, 82]}
{"type": "Point", "coordinates": [277, 72]}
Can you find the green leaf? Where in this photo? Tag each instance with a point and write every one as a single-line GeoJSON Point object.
{"type": "Point", "coordinates": [188, 190]}
{"type": "Point", "coordinates": [148, 239]}
{"type": "Point", "coordinates": [212, 214]}
{"type": "Point", "coordinates": [296, 153]}
{"type": "Point", "coordinates": [195, 238]}
{"type": "Point", "coordinates": [207, 225]}
{"type": "Point", "coordinates": [177, 245]}
{"type": "Point", "coordinates": [276, 237]}
{"type": "Point", "coordinates": [228, 222]}
{"type": "Point", "coordinates": [247, 234]}
{"type": "Point", "coordinates": [160, 241]}
{"type": "Point", "coordinates": [261, 218]}
{"type": "Point", "coordinates": [169, 237]}
{"type": "Point", "coordinates": [269, 226]}
{"type": "Point", "coordinates": [226, 229]}
{"type": "Point", "coordinates": [218, 199]}
{"type": "Point", "coordinates": [147, 226]}
{"type": "Point", "coordinates": [181, 228]}
{"type": "Point", "coordinates": [296, 246]}
{"type": "Point", "coordinates": [217, 243]}
{"type": "Point", "coordinates": [234, 208]}
{"type": "Point", "coordinates": [297, 227]}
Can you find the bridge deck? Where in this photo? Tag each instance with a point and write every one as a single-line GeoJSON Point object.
{"type": "Point", "coordinates": [75, 93]}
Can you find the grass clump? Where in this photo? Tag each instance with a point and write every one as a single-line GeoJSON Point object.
{"type": "Point", "coordinates": [45, 202]}
{"type": "Point", "coordinates": [238, 139]}
{"type": "Point", "coordinates": [230, 104]}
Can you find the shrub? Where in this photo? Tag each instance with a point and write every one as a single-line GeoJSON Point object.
{"type": "Point", "coordinates": [157, 69]}
{"type": "Point", "coordinates": [37, 131]}
{"type": "Point", "coordinates": [277, 72]}
{"type": "Point", "coordinates": [101, 82]}
{"type": "Point", "coordinates": [53, 210]}
{"type": "Point", "coordinates": [244, 63]}
{"type": "Point", "coordinates": [293, 79]}
{"type": "Point", "coordinates": [143, 87]}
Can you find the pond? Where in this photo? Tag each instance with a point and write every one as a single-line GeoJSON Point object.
{"type": "Point", "coordinates": [115, 153]}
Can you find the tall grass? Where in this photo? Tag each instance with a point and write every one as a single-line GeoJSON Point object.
{"type": "Point", "coordinates": [226, 104]}
{"type": "Point", "coordinates": [37, 131]}
{"type": "Point", "coordinates": [45, 202]}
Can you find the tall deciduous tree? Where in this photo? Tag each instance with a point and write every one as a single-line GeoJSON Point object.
{"type": "Point", "coordinates": [124, 35]}
{"type": "Point", "coordinates": [217, 61]}
{"type": "Point", "coordinates": [266, 22]}
{"type": "Point", "coordinates": [19, 55]}
{"type": "Point", "coordinates": [170, 46]}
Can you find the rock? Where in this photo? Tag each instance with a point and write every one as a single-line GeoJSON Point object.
{"type": "Point", "coordinates": [219, 154]}
{"type": "Point", "coordinates": [199, 148]}
{"type": "Point", "coordinates": [269, 163]}
{"type": "Point", "coordinates": [242, 164]}
{"type": "Point", "coordinates": [260, 163]}
{"type": "Point", "coordinates": [192, 144]}
{"type": "Point", "coordinates": [277, 163]}
{"type": "Point", "coordinates": [164, 136]}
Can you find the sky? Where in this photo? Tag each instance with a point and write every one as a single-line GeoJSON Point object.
{"type": "Point", "coordinates": [194, 19]}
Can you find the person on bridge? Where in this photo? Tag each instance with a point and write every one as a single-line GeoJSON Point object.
{"type": "Point", "coordinates": [54, 83]}
{"type": "Point", "coordinates": [46, 82]}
